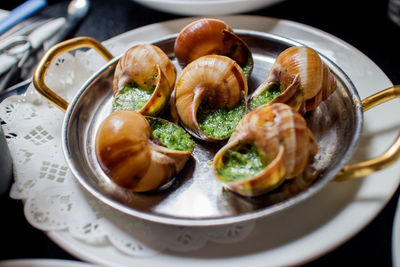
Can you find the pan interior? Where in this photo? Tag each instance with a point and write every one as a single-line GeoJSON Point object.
{"type": "Point", "coordinates": [195, 197]}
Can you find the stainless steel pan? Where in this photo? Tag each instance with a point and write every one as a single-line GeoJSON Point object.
{"type": "Point", "coordinates": [196, 198]}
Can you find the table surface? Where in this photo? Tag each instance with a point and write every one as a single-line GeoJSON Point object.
{"type": "Point", "coordinates": [365, 25]}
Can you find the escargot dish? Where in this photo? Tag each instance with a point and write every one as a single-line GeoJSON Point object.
{"type": "Point", "coordinates": [270, 144]}
{"type": "Point", "coordinates": [143, 81]}
{"type": "Point", "coordinates": [298, 78]}
{"type": "Point", "coordinates": [210, 97]}
{"type": "Point", "coordinates": [141, 153]}
{"type": "Point", "coordinates": [208, 36]}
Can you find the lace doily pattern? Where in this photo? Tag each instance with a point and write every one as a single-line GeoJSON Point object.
{"type": "Point", "coordinates": [54, 201]}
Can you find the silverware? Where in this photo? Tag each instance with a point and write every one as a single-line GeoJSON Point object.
{"type": "Point", "coordinates": [77, 10]}
{"type": "Point", "coordinates": [25, 27]}
{"type": "Point", "coordinates": [21, 12]}
{"type": "Point", "coordinates": [18, 49]}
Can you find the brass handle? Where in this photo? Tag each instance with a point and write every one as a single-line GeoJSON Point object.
{"type": "Point", "coordinates": [51, 54]}
{"type": "Point", "coordinates": [388, 157]}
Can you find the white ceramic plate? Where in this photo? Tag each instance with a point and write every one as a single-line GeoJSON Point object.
{"type": "Point", "coordinates": [42, 263]}
{"type": "Point", "coordinates": [318, 224]}
{"type": "Point", "coordinates": [206, 7]}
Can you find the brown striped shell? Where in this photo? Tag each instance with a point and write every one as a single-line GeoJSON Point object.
{"type": "Point", "coordinates": [304, 79]}
{"type": "Point", "coordinates": [217, 80]}
{"type": "Point", "coordinates": [128, 155]}
{"type": "Point", "coordinates": [211, 36]}
{"type": "Point", "coordinates": [146, 66]}
{"type": "Point", "coordinates": [283, 140]}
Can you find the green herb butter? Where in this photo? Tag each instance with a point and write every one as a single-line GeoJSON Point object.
{"type": "Point", "coordinates": [171, 135]}
{"type": "Point", "coordinates": [132, 97]}
{"type": "Point", "coordinates": [220, 122]}
{"type": "Point", "coordinates": [247, 70]}
{"type": "Point", "coordinates": [271, 91]}
{"type": "Point", "coordinates": [240, 164]}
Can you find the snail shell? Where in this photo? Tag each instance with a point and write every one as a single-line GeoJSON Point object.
{"type": "Point", "coordinates": [208, 36]}
{"type": "Point", "coordinates": [304, 79]}
{"type": "Point", "coordinates": [147, 66]}
{"type": "Point", "coordinates": [128, 155]}
{"type": "Point", "coordinates": [284, 143]}
{"type": "Point", "coordinates": [217, 80]}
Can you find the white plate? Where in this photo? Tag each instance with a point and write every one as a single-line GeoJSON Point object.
{"type": "Point", "coordinates": [206, 7]}
{"type": "Point", "coordinates": [43, 263]}
{"type": "Point", "coordinates": [313, 227]}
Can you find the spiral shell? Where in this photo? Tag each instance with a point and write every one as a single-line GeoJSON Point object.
{"type": "Point", "coordinates": [215, 80]}
{"type": "Point", "coordinates": [147, 66]}
{"type": "Point", "coordinates": [304, 79]}
{"type": "Point", "coordinates": [129, 156]}
{"type": "Point", "coordinates": [284, 143]}
{"type": "Point", "coordinates": [207, 36]}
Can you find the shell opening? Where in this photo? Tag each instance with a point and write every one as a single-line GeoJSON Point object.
{"type": "Point", "coordinates": [132, 97]}
{"type": "Point", "coordinates": [240, 162]}
{"type": "Point", "coordinates": [143, 80]}
{"type": "Point", "coordinates": [290, 93]}
{"type": "Point", "coordinates": [266, 95]}
{"type": "Point", "coordinates": [148, 97]}
{"type": "Point", "coordinates": [238, 50]}
{"type": "Point", "coordinates": [136, 92]}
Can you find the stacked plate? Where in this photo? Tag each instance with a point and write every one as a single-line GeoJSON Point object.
{"type": "Point", "coordinates": [206, 7]}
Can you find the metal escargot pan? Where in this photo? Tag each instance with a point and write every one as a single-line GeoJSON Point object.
{"type": "Point", "coordinates": [195, 197]}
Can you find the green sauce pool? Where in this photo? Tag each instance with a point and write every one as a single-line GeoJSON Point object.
{"type": "Point", "coordinates": [220, 122]}
{"type": "Point", "coordinates": [241, 164]}
{"type": "Point", "coordinates": [171, 135]}
{"type": "Point", "coordinates": [271, 91]}
{"type": "Point", "coordinates": [132, 97]}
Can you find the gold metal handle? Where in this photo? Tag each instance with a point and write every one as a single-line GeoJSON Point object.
{"type": "Point", "coordinates": [51, 54]}
{"type": "Point", "coordinates": [388, 157]}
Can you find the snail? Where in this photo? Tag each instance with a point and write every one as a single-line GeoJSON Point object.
{"type": "Point", "coordinates": [271, 143]}
{"type": "Point", "coordinates": [210, 97]}
{"type": "Point", "coordinates": [298, 78]}
{"type": "Point", "coordinates": [207, 36]}
{"type": "Point", "coordinates": [141, 153]}
{"type": "Point", "coordinates": [143, 80]}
